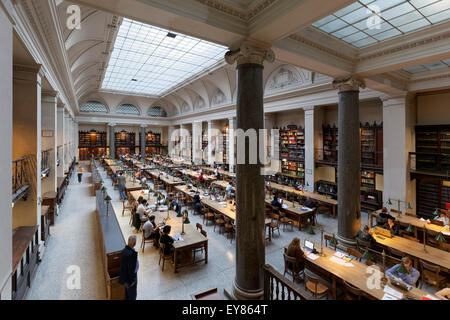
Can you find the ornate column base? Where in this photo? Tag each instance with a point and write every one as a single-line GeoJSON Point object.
{"type": "Point", "coordinates": [344, 243]}
{"type": "Point", "coordinates": [236, 293]}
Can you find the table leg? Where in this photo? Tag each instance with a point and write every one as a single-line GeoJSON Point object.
{"type": "Point", "coordinates": [333, 288]}
{"type": "Point", "coordinates": [334, 211]}
{"type": "Point", "coordinates": [206, 252]}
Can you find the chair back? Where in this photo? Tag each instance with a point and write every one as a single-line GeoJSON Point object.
{"type": "Point", "coordinates": [312, 278]}
{"type": "Point", "coordinates": [289, 263]}
{"type": "Point", "coordinates": [328, 241]}
{"type": "Point", "coordinates": [203, 232]}
{"type": "Point", "coordinates": [410, 238]}
{"type": "Point", "coordinates": [274, 216]}
{"type": "Point", "coordinates": [396, 211]}
{"type": "Point", "coordinates": [354, 253]}
{"type": "Point", "coordinates": [361, 244]}
{"type": "Point", "coordinates": [199, 226]}
{"type": "Point", "coordinates": [351, 292]}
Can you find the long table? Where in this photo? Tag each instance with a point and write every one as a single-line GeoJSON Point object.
{"type": "Point", "coordinates": [317, 197]}
{"type": "Point", "coordinates": [413, 221]}
{"type": "Point", "coordinates": [415, 250]}
{"type": "Point", "coordinates": [194, 174]}
{"type": "Point", "coordinates": [228, 174]}
{"type": "Point", "coordinates": [357, 275]}
{"type": "Point", "coordinates": [297, 213]}
{"type": "Point", "coordinates": [168, 180]}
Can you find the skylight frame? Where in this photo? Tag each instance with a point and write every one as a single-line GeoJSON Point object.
{"type": "Point", "coordinates": [422, 14]}
{"type": "Point", "coordinates": [158, 62]}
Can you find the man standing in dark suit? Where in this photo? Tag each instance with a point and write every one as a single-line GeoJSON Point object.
{"type": "Point", "coordinates": [129, 266]}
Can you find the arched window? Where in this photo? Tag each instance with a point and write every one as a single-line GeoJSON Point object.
{"type": "Point", "coordinates": [93, 107]}
{"type": "Point", "coordinates": [156, 112]}
{"type": "Point", "coordinates": [127, 109]}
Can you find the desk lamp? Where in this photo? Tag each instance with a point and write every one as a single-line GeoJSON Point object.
{"type": "Point", "coordinates": [425, 238]}
{"type": "Point", "coordinates": [440, 238]}
{"type": "Point", "coordinates": [410, 229]}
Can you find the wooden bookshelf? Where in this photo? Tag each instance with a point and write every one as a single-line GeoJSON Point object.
{"type": "Point", "coordinates": [225, 147]}
{"type": "Point", "coordinates": [91, 142]}
{"type": "Point", "coordinates": [371, 137]}
{"type": "Point", "coordinates": [330, 143]}
{"type": "Point", "coordinates": [433, 148]}
{"type": "Point", "coordinates": [124, 142]}
{"type": "Point", "coordinates": [292, 152]}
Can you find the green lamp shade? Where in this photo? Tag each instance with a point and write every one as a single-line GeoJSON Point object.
{"type": "Point", "coordinates": [311, 231]}
{"type": "Point", "coordinates": [367, 256]}
{"type": "Point", "coordinates": [103, 188]}
{"type": "Point", "coordinates": [108, 198]}
{"type": "Point", "coordinates": [410, 229]}
{"type": "Point", "coordinates": [186, 221]}
{"type": "Point", "coordinates": [440, 238]}
{"type": "Point", "coordinates": [436, 212]}
{"type": "Point", "coordinates": [389, 202]}
{"type": "Point", "coordinates": [179, 214]}
{"type": "Point", "coordinates": [408, 206]}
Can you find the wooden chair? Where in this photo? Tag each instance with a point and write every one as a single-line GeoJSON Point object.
{"type": "Point", "coordinates": [430, 273]}
{"type": "Point", "coordinates": [128, 206]}
{"type": "Point", "coordinates": [209, 216]}
{"type": "Point", "coordinates": [286, 221]}
{"type": "Point", "coordinates": [371, 263]}
{"type": "Point", "coordinates": [351, 292]}
{"type": "Point", "coordinates": [274, 225]}
{"type": "Point", "coordinates": [362, 245]}
{"type": "Point", "coordinates": [199, 226]}
{"type": "Point", "coordinates": [328, 241]}
{"type": "Point", "coordinates": [324, 209]}
{"type": "Point", "coordinates": [203, 232]}
{"type": "Point", "coordinates": [144, 241]}
{"type": "Point", "coordinates": [291, 268]}
{"type": "Point", "coordinates": [199, 249]}
{"type": "Point", "coordinates": [355, 253]}
{"type": "Point", "coordinates": [313, 284]}
{"type": "Point", "coordinates": [228, 226]}
{"type": "Point", "coordinates": [163, 256]}
{"type": "Point", "coordinates": [218, 221]}
{"type": "Point", "coordinates": [396, 253]}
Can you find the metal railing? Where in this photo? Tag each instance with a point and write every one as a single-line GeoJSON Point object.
{"type": "Point", "coordinates": [21, 180]}
{"type": "Point", "coordinates": [278, 287]}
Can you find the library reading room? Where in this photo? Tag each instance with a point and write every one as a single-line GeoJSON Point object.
{"type": "Point", "coordinates": [225, 150]}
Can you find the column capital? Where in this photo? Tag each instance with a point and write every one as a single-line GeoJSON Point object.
{"type": "Point", "coordinates": [249, 52]}
{"type": "Point", "coordinates": [406, 98]}
{"type": "Point", "coordinates": [143, 126]}
{"type": "Point", "coordinates": [112, 124]}
{"type": "Point", "coordinates": [350, 83]}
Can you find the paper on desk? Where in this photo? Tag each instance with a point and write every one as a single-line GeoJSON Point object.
{"type": "Point", "coordinates": [393, 292]}
{"type": "Point", "coordinates": [339, 254]}
{"type": "Point", "coordinates": [312, 256]}
{"type": "Point", "coordinates": [387, 296]}
{"type": "Point", "coordinates": [284, 206]}
{"type": "Point", "coordinates": [422, 219]}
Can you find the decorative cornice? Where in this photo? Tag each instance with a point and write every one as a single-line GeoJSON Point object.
{"type": "Point", "coordinates": [409, 45]}
{"type": "Point", "coordinates": [437, 77]}
{"type": "Point", "coordinates": [250, 53]}
{"type": "Point", "coordinates": [243, 14]}
{"type": "Point", "coordinates": [351, 83]}
{"type": "Point", "coordinates": [305, 41]}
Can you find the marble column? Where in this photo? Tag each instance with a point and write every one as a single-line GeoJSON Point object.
{"type": "Point", "coordinates": [171, 141]}
{"type": "Point", "coordinates": [6, 91]}
{"type": "Point", "coordinates": [27, 140]}
{"type": "Point", "coordinates": [112, 141]}
{"type": "Point", "coordinates": [349, 158]}
{"type": "Point", "coordinates": [49, 139]}
{"type": "Point", "coordinates": [250, 254]}
{"type": "Point", "coordinates": [60, 123]}
{"type": "Point", "coordinates": [143, 141]}
{"type": "Point", "coordinates": [313, 144]}
{"type": "Point", "coordinates": [76, 140]}
{"type": "Point", "coordinates": [183, 141]}
{"type": "Point", "coordinates": [231, 142]}
{"type": "Point", "coordinates": [399, 119]}
{"type": "Point", "coordinates": [197, 142]}
{"type": "Point", "coordinates": [211, 143]}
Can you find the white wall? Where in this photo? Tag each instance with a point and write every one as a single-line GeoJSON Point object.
{"type": "Point", "coordinates": [5, 156]}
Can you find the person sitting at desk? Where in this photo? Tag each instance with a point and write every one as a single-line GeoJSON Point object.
{"type": "Point", "coordinates": [174, 206]}
{"type": "Point", "coordinates": [167, 240]}
{"type": "Point", "coordinates": [201, 178]}
{"type": "Point", "coordinates": [443, 217]}
{"type": "Point", "coordinates": [310, 203]}
{"type": "Point", "coordinates": [294, 250]}
{"type": "Point", "coordinates": [142, 210]}
{"type": "Point", "coordinates": [197, 203]}
{"type": "Point", "coordinates": [138, 174]}
{"type": "Point", "coordinates": [390, 225]}
{"type": "Point", "coordinates": [229, 188]}
{"type": "Point", "coordinates": [365, 235]}
{"type": "Point", "coordinates": [404, 272]}
{"type": "Point", "coordinates": [151, 231]}
{"type": "Point", "coordinates": [216, 173]}
{"type": "Point", "coordinates": [276, 202]}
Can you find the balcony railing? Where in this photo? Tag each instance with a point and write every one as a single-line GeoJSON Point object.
{"type": "Point", "coordinates": [278, 287]}
{"type": "Point", "coordinates": [20, 179]}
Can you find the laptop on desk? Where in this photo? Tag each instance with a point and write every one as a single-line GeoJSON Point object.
{"type": "Point", "coordinates": [309, 246]}
{"type": "Point", "coordinates": [400, 284]}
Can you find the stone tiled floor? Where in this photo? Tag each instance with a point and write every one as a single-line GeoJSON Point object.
{"type": "Point", "coordinates": [74, 240]}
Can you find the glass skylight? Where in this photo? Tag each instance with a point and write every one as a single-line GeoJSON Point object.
{"type": "Point", "coordinates": [366, 22]}
{"type": "Point", "coordinates": [149, 60]}
{"type": "Point", "coordinates": [429, 66]}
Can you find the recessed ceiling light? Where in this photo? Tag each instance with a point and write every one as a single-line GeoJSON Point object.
{"type": "Point", "coordinates": [171, 35]}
